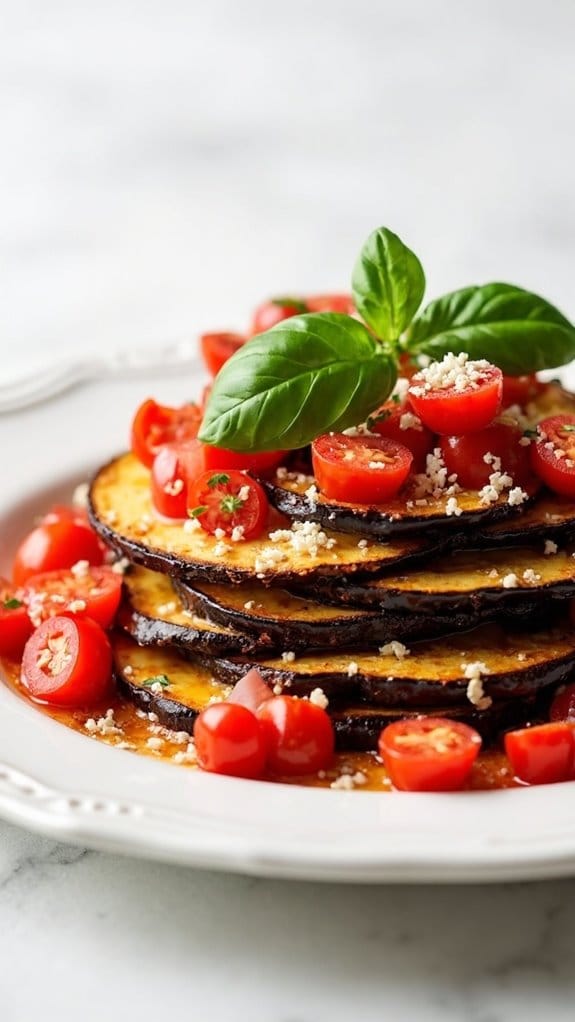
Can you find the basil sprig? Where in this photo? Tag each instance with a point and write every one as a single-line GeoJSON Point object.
{"type": "Point", "coordinates": [325, 371]}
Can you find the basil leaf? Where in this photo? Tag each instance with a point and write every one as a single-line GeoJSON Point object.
{"type": "Point", "coordinates": [515, 329]}
{"type": "Point", "coordinates": [306, 376]}
{"type": "Point", "coordinates": [388, 283]}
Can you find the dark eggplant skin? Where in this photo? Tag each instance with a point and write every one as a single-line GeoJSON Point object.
{"type": "Point", "coordinates": [150, 631]}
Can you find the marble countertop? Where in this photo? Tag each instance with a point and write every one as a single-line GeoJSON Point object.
{"type": "Point", "coordinates": [164, 166]}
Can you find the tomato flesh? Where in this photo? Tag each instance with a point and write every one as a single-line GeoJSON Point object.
{"type": "Point", "coordinates": [216, 349]}
{"type": "Point", "coordinates": [174, 467]}
{"type": "Point", "coordinates": [331, 303]}
{"type": "Point", "coordinates": [68, 662]}
{"type": "Point", "coordinates": [360, 470]}
{"type": "Point", "coordinates": [259, 463]}
{"type": "Point", "coordinates": [250, 691]}
{"type": "Point", "coordinates": [543, 754]}
{"type": "Point", "coordinates": [229, 740]}
{"type": "Point", "coordinates": [553, 454]}
{"type": "Point", "coordinates": [229, 501]}
{"type": "Point", "coordinates": [93, 592]}
{"type": "Point", "coordinates": [269, 314]}
{"type": "Point", "coordinates": [464, 455]}
{"type": "Point", "coordinates": [54, 545]}
{"type": "Point", "coordinates": [299, 736]}
{"type": "Point", "coordinates": [15, 624]}
{"type": "Point", "coordinates": [563, 705]}
{"type": "Point", "coordinates": [396, 421]}
{"type": "Point", "coordinates": [451, 410]}
{"type": "Point", "coordinates": [155, 425]}
{"type": "Point", "coordinates": [429, 753]}
{"type": "Point", "coordinates": [520, 390]}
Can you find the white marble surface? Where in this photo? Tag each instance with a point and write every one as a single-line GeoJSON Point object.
{"type": "Point", "coordinates": [163, 166]}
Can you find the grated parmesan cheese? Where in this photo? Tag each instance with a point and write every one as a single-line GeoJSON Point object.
{"type": "Point", "coordinates": [475, 691]}
{"type": "Point", "coordinates": [319, 698]}
{"type": "Point", "coordinates": [510, 581]}
{"type": "Point", "coordinates": [550, 547]}
{"type": "Point", "coordinates": [457, 371]}
{"type": "Point", "coordinates": [394, 648]}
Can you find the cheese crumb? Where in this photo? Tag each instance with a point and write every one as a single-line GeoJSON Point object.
{"type": "Point", "coordinates": [453, 508]}
{"type": "Point", "coordinates": [155, 743]}
{"type": "Point", "coordinates": [288, 657]}
{"type": "Point", "coordinates": [191, 525]}
{"type": "Point", "coordinates": [249, 604]}
{"type": "Point", "coordinates": [394, 648]}
{"type": "Point", "coordinates": [353, 669]}
{"type": "Point", "coordinates": [550, 547]}
{"type": "Point", "coordinates": [106, 725]}
{"type": "Point", "coordinates": [80, 495]}
{"type": "Point", "coordinates": [312, 493]}
{"type": "Point", "coordinates": [531, 576]}
{"type": "Point", "coordinates": [80, 569]}
{"type": "Point", "coordinates": [517, 496]}
{"type": "Point", "coordinates": [238, 533]}
{"type": "Point", "coordinates": [167, 608]}
{"type": "Point", "coordinates": [221, 548]}
{"type": "Point", "coordinates": [510, 581]}
{"type": "Point", "coordinates": [174, 488]}
{"type": "Point", "coordinates": [457, 371]}
{"type": "Point", "coordinates": [319, 698]}
{"type": "Point", "coordinates": [475, 692]}
{"type": "Point", "coordinates": [347, 782]}
{"type": "Point", "coordinates": [120, 567]}
{"type": "Point", "coordinates": [76, 606]}
{"type": "Point", "coordinates": [410, 421]}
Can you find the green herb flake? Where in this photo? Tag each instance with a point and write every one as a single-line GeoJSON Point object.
{"type": "Point", "coordinates": [531, 433]}
{"type": "Point", "coordinates": [567, 429]}
{"type": "Point", "coordinates": [195, 512]}
{"type": "Point", "coordinates": [396, 398]}
{"type": "Point", "coordinates": [157, 679]}
{"type": "Point", "coordinates": [231, 504]}
{"type": "Point", "coordinates": [219, 479]}
{"type": "Point", "coordinates": [12, 604]}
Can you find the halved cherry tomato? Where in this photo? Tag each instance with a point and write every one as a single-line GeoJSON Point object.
{"type": "Point", "coordinates": [520, 390]}
{"type": "Point", "coordinates": [174, 468]}
{"type": "Point", "coordinates": [56, 544]}
{"type": "Point", "coordinates": [299, 736]}
{"type": "Point", "coordinates": [229, 740]}
{"type": "Point", "coordinates": [396, 421]}
{"type": "Point", "coordinates": [465, 454]}
{"type": "Point", "coordinates": [15, 625]}
{"type": "Point", "coordinates": [331, 303]}
{"type": "Point", "coordinates": [563, 705]}
{"type": "Point", "coordinates": [543, 754]}
{"type": "Point", "coordinates": [429, 753]}
{"type": "Point", "coordinates": [259, 463]}
{"type": "Point", "coordinates": [553, 454]}
{"type": "Point", "coordinates": [155, 425]}
{"type": "Point", "coordinates": [218, 348]}
{"type": "Point", "coordinates": [68, 661]}
{"type": "Point", "coordinates": [359, 469]}
{"type": "Point", "coordinates": [93, 592]}
{"type": "Point", "coordinates": [275, 311]}
{"type": "Point", "coordinates": [450, 410]}
{"type": "Point", "coordinates": [228, 501]}
{"type": "Point", "coordinates": [250, 691]}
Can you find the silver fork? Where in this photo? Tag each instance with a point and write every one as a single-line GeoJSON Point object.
{"type": "Point", "coordinates": [48, 382]}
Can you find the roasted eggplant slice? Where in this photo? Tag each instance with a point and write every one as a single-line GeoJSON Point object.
{"type": "Point", "coordinates": [154, 615]}
{"type": "Point", "coordinates": [121, 511]}
{"type": "Point", "coordinates": [484, 584]}
{"type": "Point", "coordinates": [548, 517]}
{"type": "Point", "coordinates": [513, 663]}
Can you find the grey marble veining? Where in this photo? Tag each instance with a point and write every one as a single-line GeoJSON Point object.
{"type": "Point", "coordinates": [163, 166]}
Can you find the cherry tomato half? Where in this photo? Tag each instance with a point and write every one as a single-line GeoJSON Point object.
{"type": "Point", "coordinates": [174, 467]}
{"type": "Point", "coordinates": [396, 421]}
{"type": "Point", "coordinates": [520, 390]}
{"type": "Point", "coordinates": [228, 501]}
{"type": "Point", "coordinates": [429, 753]}
{"type": "Point", "coordinates": [155, 425]}
{"type": "Point", "coordinates": [465, 454]}
{"type": "Point", "coordinates": [359, 470]}
{"type": "Point", "coordinates": [218, 348]}
{"type": "Point", "coordinates": [15, 625]}
{"type": "Point", "coordinates": [563, 705]}
{"type": "Point", "coordinates": [553, 454]}
{"type": "Point", "coordinates": [457, 407]}
{"type": "Point", "coordinates": [250, 691]}
{"type": "Point", "coordinates": [331, 303]}
{"type": "Point", "coordinates": [543, 754]}
{"type": "Point", "coordinates": [94, 592]}
{"type": "Point", "coordinates": [275, 311]}
{"type": "Point", "coordinates": [299, 736]}
{"type": "Point", "coordinates": [260, 463]}
{"type": "Point", "coordinates": [68, 661]}
{"type": "Point", "coordinates": [229, 740]}
{"type": "Point", "coordinates": [54, 545]}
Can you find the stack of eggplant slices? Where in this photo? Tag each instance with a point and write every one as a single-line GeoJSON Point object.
{"type": "Point", "coordinates": [440, 601]}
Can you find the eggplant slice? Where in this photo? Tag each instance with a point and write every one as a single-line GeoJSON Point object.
{"type": "Point", "coordinates": [120, 510]}
{"type": "Point", "coordinates": [517, 580]}
{"type": "Point", "coordinates": [191, 688]}
{"type": "Point", "coordinates": [402, 516]}
{"type": "Point", "coordinates": [519, 663]}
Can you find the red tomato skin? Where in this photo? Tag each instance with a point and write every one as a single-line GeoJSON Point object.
{"type": "Point", "coordinates": [250, 691]}
{"type": "Point", "coordinates": [217, 348]}
{"type": "Point", "coordinates": [175, 464]}
{"type": "Point", "coordinates": [86, 679]}
{"type": "Point", "coordinates": [553, 471]}
{"type": "Point", "coordinates": [419, 441]}
{"type": "Point", "coordinates": [229, 741]}
{"type": "Point", "coordinates": [447, 411]}
{"type": "Point", "coordinates": [413, 771]}
{"type": "Point", "coordinates": [543, 754]}
{"type": "Point", "coordinates": [101, 606]}
{"type": "Point", "coordinates": [354, 482]}
{"type": "Point", "coordinates": [155, 425]}
{"type": "Point", "coordinates": [331, 303]}
{"type": "Point", "coordinates": [269, 314]}
{"type": "Point", "coordinates": [252, 516]}
{"type": "Point", "coordinates": [260, 463]}
{"type": "Point", "coordinates": [464, 454]}
{"type": "Point", "coordinates": [15, 625]}
{"type": "Point", "coordinates": [563, 705]}
{"type": "Point", "coordinates": [58, 544]}
{"type": "Point", "coordinates": [520, 390]}
{"type": "Point", "coordinates": [299, 736]}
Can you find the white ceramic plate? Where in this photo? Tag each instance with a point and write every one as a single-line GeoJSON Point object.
{"type": "Point", "coordinates": [70, 787]}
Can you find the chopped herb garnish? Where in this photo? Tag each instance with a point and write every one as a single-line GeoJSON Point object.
{"type": "Point", "coordinates": [12, 604]}
{"type": "Point", "coordinates": [378, 417]}
{"type": "Point", "coordinates": [219, 479]}
{"type": "Point", "coordinates": [195, 512]}
{"type": "Point", "coordinates": [158, 679]}
{"type": "Point", "coordinates": [567, 429]}
{"type": "Point", "coordinates": [231, 504]}
{"type": "Point", "coordinates": [530, 432]}
{"type": "Point", "coordinates": [396, 398]}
